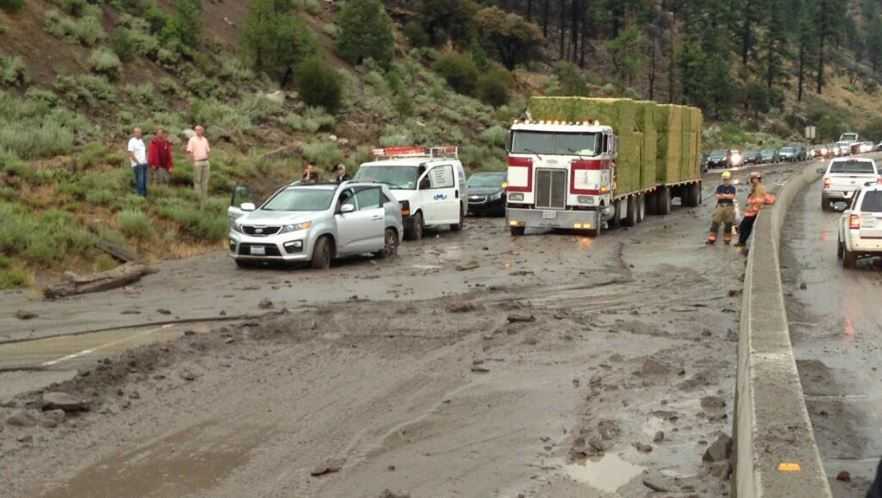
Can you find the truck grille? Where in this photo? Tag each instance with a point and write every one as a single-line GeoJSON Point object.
{"type": "Point", "coordinates": [551, 188]}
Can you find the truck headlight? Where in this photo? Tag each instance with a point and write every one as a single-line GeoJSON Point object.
{"type": "Point", "coordinates": [516, 197]}
{"type": "Point", "coordinates": [306, 225]}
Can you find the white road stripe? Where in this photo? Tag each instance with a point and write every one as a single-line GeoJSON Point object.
{"type": "Point", "coordinates": [103, 346]}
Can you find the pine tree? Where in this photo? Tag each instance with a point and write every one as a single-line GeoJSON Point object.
{"type": "Point", "coordinates": [274, 40]}
{"type": "Point", "coordinates": [366, 32]}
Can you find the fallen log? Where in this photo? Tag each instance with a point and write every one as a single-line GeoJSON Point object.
{"type": "Point", "coordinates": [120, 276]}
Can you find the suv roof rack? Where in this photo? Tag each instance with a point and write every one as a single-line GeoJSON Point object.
{"type": "Point", "coordinates": [417, 151]}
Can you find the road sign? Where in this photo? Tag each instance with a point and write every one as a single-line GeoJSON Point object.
{"type": "Point", "coordinates": [810, 132]}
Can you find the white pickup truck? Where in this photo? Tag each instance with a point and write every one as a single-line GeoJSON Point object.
{"type": "Point", "coordinates": [844, 177]}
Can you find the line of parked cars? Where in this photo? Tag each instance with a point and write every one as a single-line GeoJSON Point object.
{"type": "Point", "coordinates": [733, 158]}
{"type": "Point", "coordinates": [394, 198]}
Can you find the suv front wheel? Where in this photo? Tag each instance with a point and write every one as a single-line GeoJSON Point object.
{"type": "Point", "coordinates": [322, 253]}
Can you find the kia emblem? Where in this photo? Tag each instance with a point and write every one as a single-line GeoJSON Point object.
{"type": "Point", "coordinates": [258, 230]}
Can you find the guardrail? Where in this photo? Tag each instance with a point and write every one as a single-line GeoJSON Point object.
{"type": "Point", "coordinates": [776, 452]}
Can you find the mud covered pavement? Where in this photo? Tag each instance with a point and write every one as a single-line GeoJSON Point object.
{"type": "Point", "coordinates": [474, 365]}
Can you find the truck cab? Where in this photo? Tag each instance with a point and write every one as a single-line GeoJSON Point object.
{"type": "Point", "coordinates": [560, 175]}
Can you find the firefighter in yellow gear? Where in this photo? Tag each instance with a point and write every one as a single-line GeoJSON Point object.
{"type": "Point", "coordinates": [724, 213]}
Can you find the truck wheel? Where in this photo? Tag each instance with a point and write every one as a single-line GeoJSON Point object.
{"type": "Point", "coordinates": [414, 230]}
{"type": "Point", "coordinates": [458, 226]}
{"type": "Point", "coordinates": [849, 259]}
{"type": "Point", "coordinates": [693, 195]}
{"type": "Point", "coordinates": [322, 253]}
{"type": "Point", "coordinates": [652, 202]}
{"type": "Point", "coordinates": [630, 219]}
{"type": "Point", "coordinates": [664, 201]}
{"type": "Point", "coordinates": [517, 231]}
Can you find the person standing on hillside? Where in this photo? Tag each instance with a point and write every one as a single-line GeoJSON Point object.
{"type": "Point", "coordinates": [138, 159]}
{"type": "Point", "coordinates": [725, 211]}
{"type": "Point", "coordinates": [198, 149]}
{"type": "Point", "coordinates": [159, 157]}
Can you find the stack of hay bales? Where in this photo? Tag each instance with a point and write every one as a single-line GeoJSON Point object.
{"type": "Point", "coordinates": [658, 144]}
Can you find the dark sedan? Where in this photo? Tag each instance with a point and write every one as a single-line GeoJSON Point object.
{"type": "Point", "coordinates": [717, 159]}
{"type": "Point", "coordinates": [487, 193]}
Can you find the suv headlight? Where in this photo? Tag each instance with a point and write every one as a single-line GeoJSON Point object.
{"type": "Point", "coordinates": [234, 226]}
{"type": "Point", "coordinates": [306, 225]}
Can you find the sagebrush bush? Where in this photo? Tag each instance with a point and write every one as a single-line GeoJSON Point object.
{"type": "Point", "coordinates": [312, 7]}
{"type": "Point", "coordinates": [495, 135]}
{"type": "Point", "coordinates": [104, 61]}
{"type": "Point", "coordinates": [86, 30]}
{"type": "Point", "coordinates": [39, 140]}
{"type": "Point", "coordinates": [42, 239]}
{"type": "Point", "coordinates": [134, 224]}
{"type": "Point", "coordinates": [85, 89]}
{"type": "Point", "coordinates": [219, 116]}
{"type": "Point", "coordinates": [459, 70]}
{"type": "Point", "coordinates": [323, 154]}
{"type": "Point", "coordinates": [318, 84]}
{"type": "Point", "coordinates": [206, 224]}
{"type": "Point", "coordinates": [494, 87]}
{"type": "Point", "coordinates": [122, 45]}
{"type": "Point", "coordinates": [12, 278]}
{"type": "Point", "coordinates": [325, 121]}
{"type": "Point", "coordinates": [13, 72]}
{"type": "Point", "coordinates": [144, 94]}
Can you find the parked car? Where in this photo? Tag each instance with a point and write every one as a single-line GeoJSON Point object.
{"type": "Point", "coordinates": [866, 147]}
{"type": "Point", "coordinates": [429, 182]}
{"type": "Point", "coordinates": [316, 223]}
{"type": "Point", "coordinates": [860, 227]}
{"type": "Point", "coordinates": [789, 154]}
{"type": "Point", "coordinates": [717, 159]}
{"type": "Point", "coordinates": [768, 156]}
{"type": "Point", "coordinates": [487, 193]}
{"type": "Point", "coordinates": [753, 157]}
{"type": "Point", "coordinates": [843, 177]}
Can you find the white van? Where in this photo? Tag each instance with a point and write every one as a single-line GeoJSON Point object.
{"type": "Point", "coordinates": [428, 182]}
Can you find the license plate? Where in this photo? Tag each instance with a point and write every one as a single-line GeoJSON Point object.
{"type": "Point", "coordinates": [258, 251]}
{"type": "Point", "coordinates": [549, 215]}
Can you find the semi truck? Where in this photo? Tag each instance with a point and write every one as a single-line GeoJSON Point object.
{"type": "Point", "coordinates": [587, 164]}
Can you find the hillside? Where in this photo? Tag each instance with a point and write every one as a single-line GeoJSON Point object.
{"type": "Point", "coordinates": [77, 75]}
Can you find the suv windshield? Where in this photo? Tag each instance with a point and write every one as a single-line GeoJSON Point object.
{"type": "Point", "coordinates": [300, 199]}
{"type": "Point", "coordinates": [717, 154]}
{"type": "Point", "coordinates": [856, 167]}
{"type": "Point", "coordinates": [486, 181]}
{"type": "Point", "coordinates": [872, 202]}
{"type": "Point", "coordinates": [397, 177]}
{"type": "Point", "coordinates": [543, 142]}
{"type": "Point", "coordinates": [788, 149]}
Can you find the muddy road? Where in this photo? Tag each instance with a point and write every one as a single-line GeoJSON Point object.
{"type": "Point", "coordinates": [474, 365]}
{"type": "Point", "coordinates": [836, 329]}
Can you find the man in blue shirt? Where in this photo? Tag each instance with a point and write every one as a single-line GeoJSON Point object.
{"type": "Point", "coordinates": [725, 211]}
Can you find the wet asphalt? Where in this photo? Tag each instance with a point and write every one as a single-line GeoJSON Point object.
{"type": "Point", "coordinates": [836, 329]}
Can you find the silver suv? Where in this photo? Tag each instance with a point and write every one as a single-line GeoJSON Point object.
{"type": "Point", "coordinates": [317, 223]}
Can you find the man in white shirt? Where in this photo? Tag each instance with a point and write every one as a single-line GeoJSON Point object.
{"type": "Point", "coordinates": [138, 159]}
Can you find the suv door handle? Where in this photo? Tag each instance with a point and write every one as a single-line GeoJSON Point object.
{"type": "Point", "coordinates": [456, 193]}
{"type": "Point", "coordinates": [376, 217]}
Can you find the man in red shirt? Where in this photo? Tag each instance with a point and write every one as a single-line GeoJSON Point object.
{"type": "Point", "coordinates": [159, 157]}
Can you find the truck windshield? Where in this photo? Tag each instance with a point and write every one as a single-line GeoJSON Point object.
{"type": "Point", "coordinates": [300, 199]}
{"type": "Point", "coordinates": [848, 137]}
{"type": "Point", "coordinates": [555, 143]}
{"type": "Point", "coordinates": [853, 167]}
{"type": "Point", "coordinates": [397, 177]}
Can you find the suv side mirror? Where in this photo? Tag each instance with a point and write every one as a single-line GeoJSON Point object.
{"type": "Point", "coordinates": [347, 208]}
{"type": "Point", "coordinates": [821, 171]}
{"type": "Point", "coordinates": [247, 206]}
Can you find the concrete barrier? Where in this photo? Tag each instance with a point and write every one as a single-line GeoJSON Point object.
{"type": "Point", "coordinates": [775, 448]}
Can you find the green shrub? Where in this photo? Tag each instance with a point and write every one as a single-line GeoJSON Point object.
{"type": "Point", "coordinates": [41, 239]}
{"type": "Point", "coordinates": [104, 61]}
{"type": "Point", "coordinates": [122, 45]}
{"type": "Point", "coordinates": [312, 7]}
{"type": "Point", "coordinates": [274, 39]}
{"type": "Point", "coordinates": [365, 32]}
{"type": "Point", "coordinates": [13, 72]}
{"type": "Point", "coordinates": [85, 89]}
{"type": "Point", "coordinates": [319, 84]}
{"type": "Point", "coordinates": [414, 32]}
{"type": "Point", "coordinates": [134, 224]}
{"type": "Point", "coordinates": [323, 154]}
{"type": "Point", "coordinates": [144, 94]}
{"type": "Point", "coordinates": [208, 224]}
{"type": "Point", "coordinates": [396, 135]}
{"type": "Point", "coordinates": [42, 95]}
{"type": "Point", "coordinates": [39, 140]}
{"type": "Point", "coordinates": [13, 277]}
{"type": "Point", "coordinates": [86, 30]}
{"type": "Point", "coordinates": [185, 26]}
{"type": "Point", "coordinates": [494, 87]}
{"type": "Point", "coordinates": [495, 135]}
{"type": "Point", "coordinates": [459, 70]}
{"type": "Point", "coordinates": [11, 5]}
{"type": "Point", "coordinates": [219, 116]}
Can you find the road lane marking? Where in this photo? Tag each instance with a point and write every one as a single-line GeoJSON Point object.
{"type": "Point", "coordinates": [103, 346]}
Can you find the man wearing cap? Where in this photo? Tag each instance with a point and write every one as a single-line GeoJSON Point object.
{"type": "Point", "coordinates": [725, 211]}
